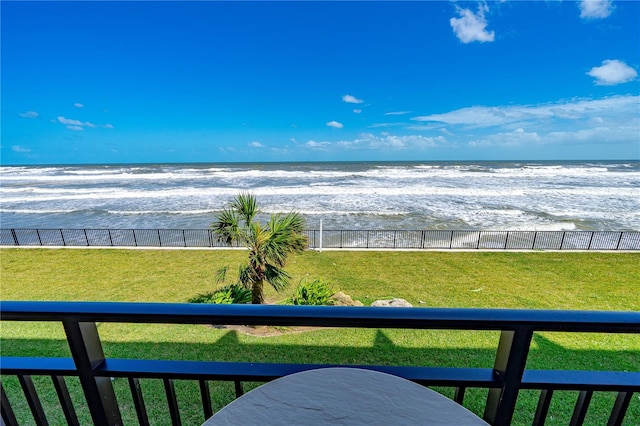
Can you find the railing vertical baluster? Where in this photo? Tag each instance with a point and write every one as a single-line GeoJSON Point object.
{"type": "Point", "coordinates": [17, 243]}
{"type": "Point", "coordinates": [511, 358]}
{"type": "Point", "coordinates": [33, 400]}
{"type": "Point", "coordinates": [65, 400]}
{"type": "Point", "coordinates": [582, 405]}
{"type": "Point", "coordinates": [110, 239]}
{"type": "Point", "coordinates": [8, 416]}
{"type": "Point", "coordinates": [459, 394]}
{"type": "Point", "coordinates": [591, 240]}
{"type": "Point", "coordinates": [184, 238]}
{"type": "Point", "coordinates": [543, 407]}
{"type": "Point", "coordinates": [38, 234]}
{"type": "Point", "coordinates": [535, 237]}
{"type": "Point", "coordinates": [138, 401]}
{"type": "Point", "coordinates": [135, 241]}
{"type": "Point", "coordinates": [239, 389]}
{"type": "Point", "coordinates": [170, 391]}
{"type": "Point", "coordinates": [619, 239]}
{"type": "Point", "coordinates": [424, 233]}
{"type": "Point", "coordinates": [86, 238]}
{"type": "Point", "coordinates": [86, 350]}
{"type": "Point", "coordinates": [159, 238]}
{"type": "Point", "coordinates": [562, 239]}
{"type": "Point", "coordinates": [619, 408]}
{"type": "Point", "coordinates": [451, 240]}
{"type": "Point", "coordinates": [506, 240]}
{"type": "Point", "coordinates": [206, 399]}
{"type": "Point", "coordinates": [64, 243]}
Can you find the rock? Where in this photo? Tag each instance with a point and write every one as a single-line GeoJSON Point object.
{"type": "Point", "coordinates": [392, 303]}
{"type": "Point", "coordinates": [341, 299]}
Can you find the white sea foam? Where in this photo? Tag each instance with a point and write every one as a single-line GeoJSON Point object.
{"type": "Point", "coordinates": [519, 196]}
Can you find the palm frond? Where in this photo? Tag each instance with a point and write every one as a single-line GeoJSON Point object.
{"type": "Point", "coordinates": [244, 276]}
{"type": "Point", "coordinates": [246, 205]}
{"type": "Point", "coordinates": [278, 278]}
{"type": "Point", "coordinates": [226, 227]}
{"type": "Point", "coordinates": [221, 274]}
{"type": "Point", "coordinates": [284, 238]}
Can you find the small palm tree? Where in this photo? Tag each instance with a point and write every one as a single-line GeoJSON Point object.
{"type": "Point", "coordinates": [269, 245]}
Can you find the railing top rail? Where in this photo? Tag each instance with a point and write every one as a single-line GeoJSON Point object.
{"type": "Point", "coordinates": [327, 316]}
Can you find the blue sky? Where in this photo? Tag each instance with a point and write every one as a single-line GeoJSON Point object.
{"type": "Point", "coordinates": [121, 82]}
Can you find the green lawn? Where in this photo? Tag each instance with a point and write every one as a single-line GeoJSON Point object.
{"type": "Point", "coordinates": [536, 280]}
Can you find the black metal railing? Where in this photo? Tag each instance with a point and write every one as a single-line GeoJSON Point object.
{"type": "Point", "coordinates": [504, 381]}
{"type": "Point", "coordinates": [332, 239]}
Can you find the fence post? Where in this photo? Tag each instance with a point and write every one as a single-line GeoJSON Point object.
{"type": "Point", "coordinates": [506, 241]}
{"type": "Point", "coordinates": [86, 238]}
{"type": "Point", "coordinates": [86, 350]}
{"type": "Point", "coordinates": [562, 239]}
{"type": "Point", "coordinates": [590, 240]}
{"type": "Point", "coordinates": [110, 239]}
{"type": "Point", "coordinates": [535, 237]}
{"type": "Point", "coordinates": [64, 243]}
{"type": "Point", "coordinates": [423, 237]}
{"type": "Point", "coordinates": [451, 240]}
{"type": "Point", "coordinates": [511, 358]}
{"type": "Point", "coordinates": [135, 241]}
{"type": "Point", "coordinates": [320, 247]}
{"type": "Point", "coordinates": [184, 241]}
{"type": "Point", "coordinates": [17, 243]}
{"type": "Point", "coordinates": [619, 239]}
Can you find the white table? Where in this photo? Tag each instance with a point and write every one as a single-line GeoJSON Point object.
{"type": "Point", "coordinates": [343, 396]}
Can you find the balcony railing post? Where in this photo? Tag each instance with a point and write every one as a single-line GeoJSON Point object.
{"type": "Point", "coordinates": [86, 350]}
{"type": "Point", "coordinates": [509, 365]}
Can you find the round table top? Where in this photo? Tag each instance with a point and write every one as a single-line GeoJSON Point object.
{"type": "Point", "coordinates": [343, 396]}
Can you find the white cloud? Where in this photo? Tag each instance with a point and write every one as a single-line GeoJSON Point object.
{"type": "Point", "coordinates": [317, 145]}
{"type": "Point", "coordinates": [595, 9]}
{"type": "Point", "coordinates": [369, 141]}
{"type": "Point", "coordinates": [18, 148]}
{"type": "Point", "coordinates": [357, 111]}
{"type": "Point", "coordinates": [588, 136]}
{"type": "Point", "coordinates": [108, 126]}
{"type": "Point", "coordinates": [612, 72]}
{"type": "Point", "coordinates": [335, 124]}
{"type": "Point", "coordinates": [481, 116]}
{"type": "Point", "coordinates": [75, 124]}
{"type": "Point", "coordinates": [351, 99]}
{"type": "Point", "coordinates": [470, 27]}
{"type": "Point", "coordinates": [397, 113]}
{"type": "Point", "coordinates": [256, 144]}
{"type": "Point", "coordinates": [78, 105]}
{"type": "Point", "coordinates": [29, 114]}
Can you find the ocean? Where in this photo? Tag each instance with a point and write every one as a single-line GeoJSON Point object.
{"type": "Point", "coordinates": [527, 196]}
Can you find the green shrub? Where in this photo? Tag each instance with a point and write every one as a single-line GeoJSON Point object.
{"type": "Point", "coordinates": [315, 292]}
{"type": "Point", "coordinates": [233, 293]}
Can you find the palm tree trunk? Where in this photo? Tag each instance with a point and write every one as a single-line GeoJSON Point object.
{"type": "Point", "coordinates": [257, 295]}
